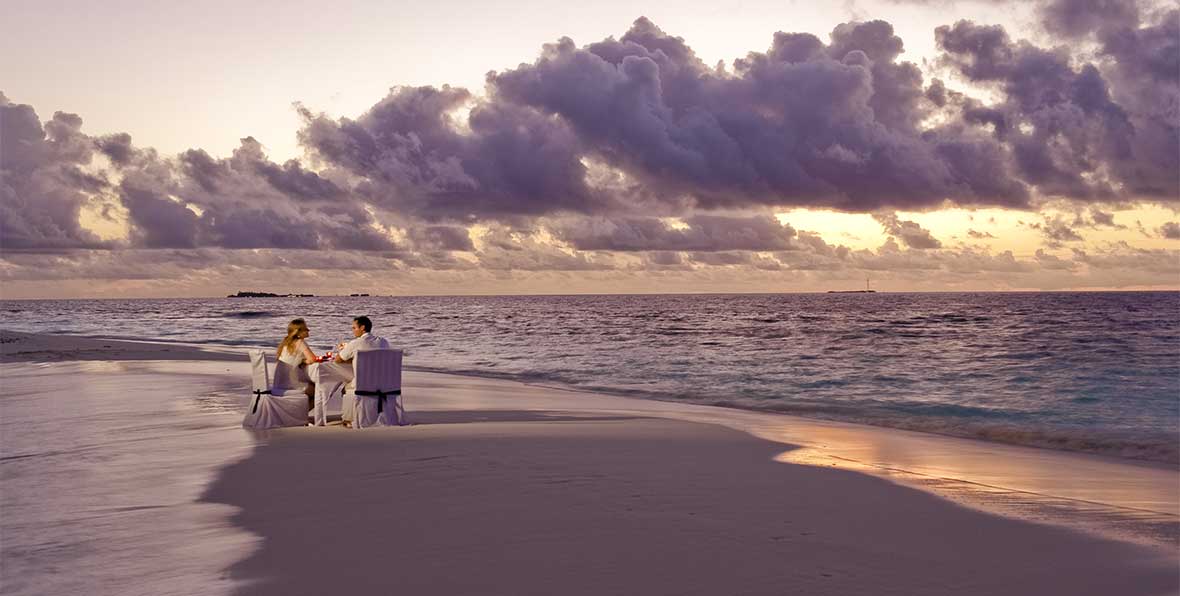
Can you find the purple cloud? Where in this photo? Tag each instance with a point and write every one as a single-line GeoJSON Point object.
{"type": "Point", "coordinates": [43, 187]}
{"type": "Point", "coordinates": [908, 232]}
{"type": "Point", "coordinates": [1097, 131]}
{"type": "Point", "coordinates": [802, 124]}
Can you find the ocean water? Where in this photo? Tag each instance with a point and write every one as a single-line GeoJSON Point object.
{"type": "Point", "coordinates": [1096, 372]}
{"type": "Point", "coordinates": [101, 487]}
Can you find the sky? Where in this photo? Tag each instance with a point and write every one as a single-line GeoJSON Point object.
{"type": "Point", "coordinates": [161, 149]}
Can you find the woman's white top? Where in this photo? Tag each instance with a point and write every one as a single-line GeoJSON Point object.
{"type": "Point", "coordinates": [293, 353]}
{"type": "Point", "coordinates": [288, 373]}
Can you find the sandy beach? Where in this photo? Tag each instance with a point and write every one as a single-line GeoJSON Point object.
{"type": "Point", "coordinates": [507, 488]}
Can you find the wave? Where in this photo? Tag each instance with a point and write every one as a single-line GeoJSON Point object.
{"type": "Point", "coordinates": [249, 314]}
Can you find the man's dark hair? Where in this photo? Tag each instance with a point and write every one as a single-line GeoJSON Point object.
{"type": "Point", "coordinates": [364, 322]}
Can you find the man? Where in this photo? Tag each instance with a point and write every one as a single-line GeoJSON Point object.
{"type": "Point", "coordinates": [328, 376]}
{"type": "Point", "coordinates": [365, 340]}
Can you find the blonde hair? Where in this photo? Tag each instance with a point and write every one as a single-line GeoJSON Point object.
{"type": "Point", "coordinates": [295, 329]}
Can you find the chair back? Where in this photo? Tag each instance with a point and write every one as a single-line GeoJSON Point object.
{"type": "Point", "coordinates": [286, 376]}
{"type": "Point", "coordinates": [259, 375]}
{"type": "Point", "coordinates": [377, 370]}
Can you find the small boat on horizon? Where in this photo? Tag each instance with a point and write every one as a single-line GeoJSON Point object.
{"type": "Point", "coordinates": [867, 290]}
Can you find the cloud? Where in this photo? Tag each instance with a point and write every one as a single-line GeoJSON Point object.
{"type": "Point", "coordinates": [502, 248]}
{"type": "Point", "coordinates": [1053, 262]}
{"type": "Point", "coordinates": [908, 232]}
{"type": "Point", "coordinates": [1089, 131]}
{"type": "Point", "coordinates": [702, 233]}
{"type": "Point", "coordinates": [1099, 218]}
{"type": "Point", "coordinates": [1122, 256]}
{"type": "Point", "coordinates": [413, 158]}
{"type": "Point", "coordinates": [803, 124]}
{"type": "Point", "coordinates": [443, 238]}
{"type": "Point", "coordinates": [43, 183]}
{"type": "Point", "coordinates": [630, 155]}
{"type": "Point", "coordinates": [244, 201]}
{"type": "Point", "coordinates": [505, 258]}
{"type": "Point", "coordinates": [1075, 18]}
{"type": "Point", "coordinates": [1056, 231]}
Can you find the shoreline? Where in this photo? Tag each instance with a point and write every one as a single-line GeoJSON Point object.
{"type": "Point", "coordinates": [16, 346]}
{"type": "Point", "coordinates": [1164, 463]}
{"type": "Point", "coordinates": [77, 347]}
{"type": "Point", "coordinates": [549, 489]}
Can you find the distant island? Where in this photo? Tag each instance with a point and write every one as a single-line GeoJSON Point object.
{"type": "Point", "coordinates": [268, 295]}
{"type": "Point", "coordinates": [357, 295]}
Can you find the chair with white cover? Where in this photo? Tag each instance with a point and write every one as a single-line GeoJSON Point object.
{"type": "Point", "coordinates": [276, 405]}
{"type": "Point", "coordinates": [377, 389]}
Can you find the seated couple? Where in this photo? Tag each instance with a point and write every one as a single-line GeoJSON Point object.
{"type": "Point", "coordinates": [325, 377]}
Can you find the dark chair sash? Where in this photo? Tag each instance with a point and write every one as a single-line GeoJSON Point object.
{"type": "Point", "coordinates": [258, 393]}
{"type": "Point", "coordinates": [380, 395]}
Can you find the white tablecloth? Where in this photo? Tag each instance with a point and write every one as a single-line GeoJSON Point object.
{"type": "Point", "coordinates": [329, 377]}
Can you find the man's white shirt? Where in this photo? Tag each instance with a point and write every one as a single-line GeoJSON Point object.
{"type": "Point", "coordinates": [367, 341]}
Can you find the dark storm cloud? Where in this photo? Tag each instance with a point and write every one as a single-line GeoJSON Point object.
{"type": "Point", "coordinates": [49, 175]}
{"type": "Point", "coordinates": [513, 161]}
{"type": "Point", "coordinates": [1088, 131]}
{"type": "Point", "coordinates": [1170, 230]}
{"type": "Point", "coordinates": [244, 201]}
{"type": "Point", "coordinates": [1060, 123]}
{"type": "Point", "coordinates": [157, 220]}
{"type": "Point", "coordinates": [908, 232]}
{"type": "Point", "coordinates": [801, 124]}
{"type": "Point", "coordinates": [702, 233]}
{"type": "Point", "coordinates": [1104, 218]}
{"type": "Point", "coordinates": [444, 238]}
{"type": "Point", "coordinates": [1075, 18]}
{"type": "Point", "coordinates": [936, 93]}
{"type": "Point", "coordinates": [117, 148]}
{"type": "Point", "coordinates": [296, 182]}
{"type": "Point", "coordinates": [1145, 76]}
{"type": "Point", "coordinates": [42, 186]}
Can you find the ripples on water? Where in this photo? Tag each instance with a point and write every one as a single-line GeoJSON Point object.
{"type": "Point", "coordinates": [1084, 371]}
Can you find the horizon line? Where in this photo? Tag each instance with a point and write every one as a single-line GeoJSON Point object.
{"type": "Point", "coordinates": [576, 294]}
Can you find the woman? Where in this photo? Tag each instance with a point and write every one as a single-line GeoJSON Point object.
{"type": "Point", "coordinates": [293, 352]}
